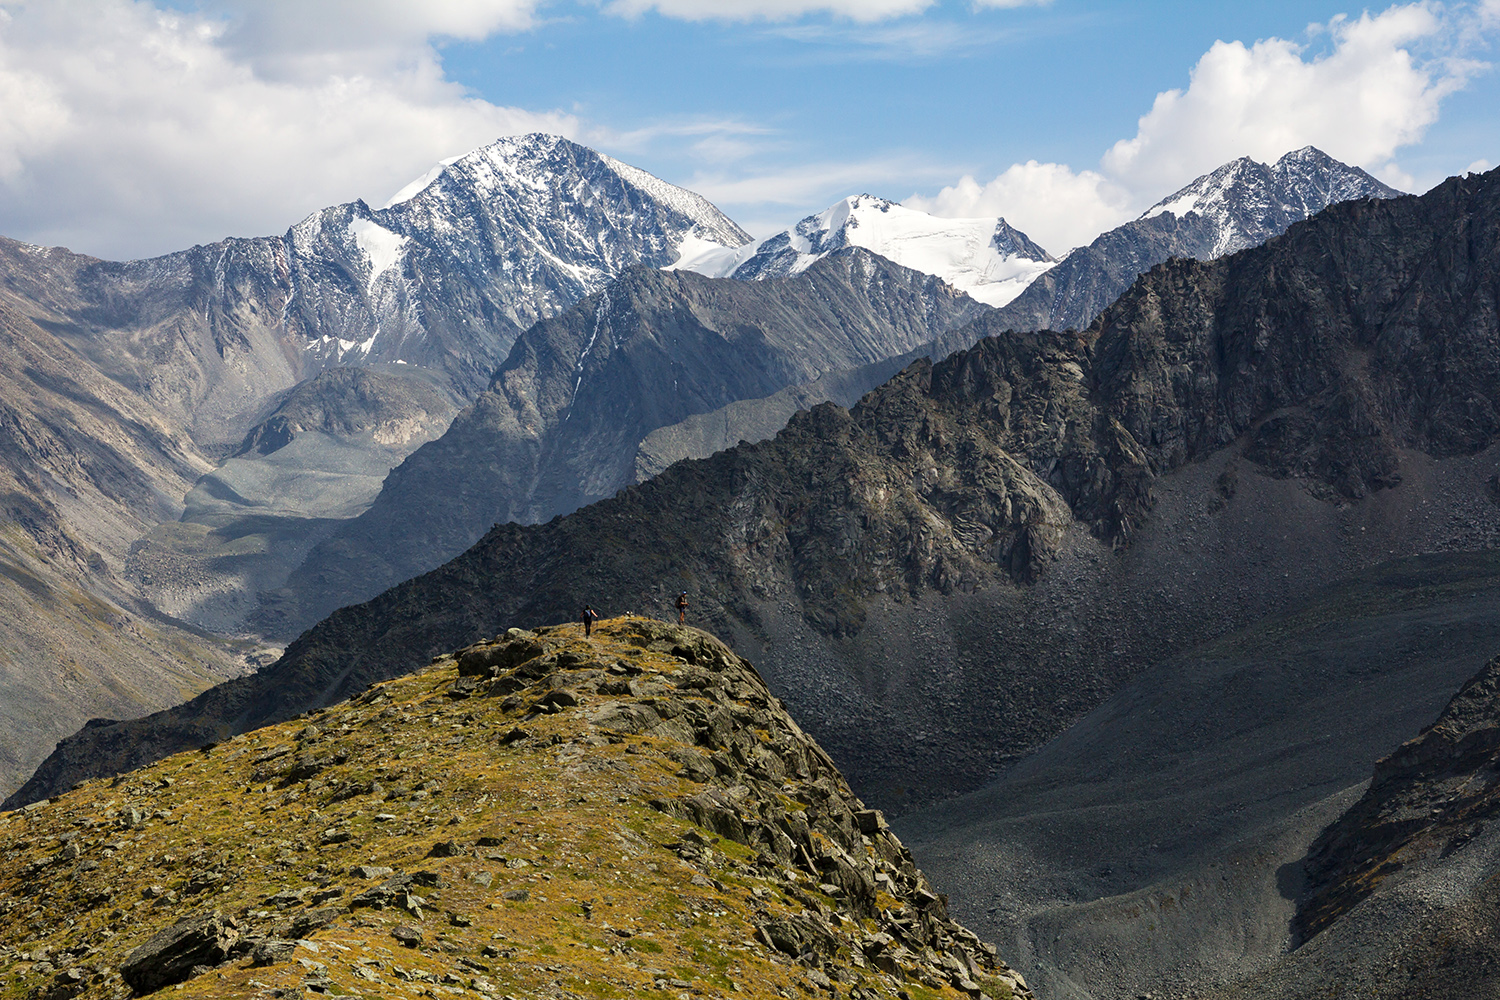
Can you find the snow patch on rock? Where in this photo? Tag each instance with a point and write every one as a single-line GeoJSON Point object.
{"type": "Point", "coordinates": [379, 245]}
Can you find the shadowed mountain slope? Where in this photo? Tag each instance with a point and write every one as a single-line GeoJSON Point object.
{"type": "Point", "coordinates": [1156, 846]}
{"type": "Point", "coordinates": [981, 551]}
{"type": "Point", "coordinates": [1400, 890]}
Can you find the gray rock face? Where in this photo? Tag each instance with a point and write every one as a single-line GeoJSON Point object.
{"type": "Point", "coordinates": [564, 417]}
{"type": "Point", "coordinates": [1240, 205]}
{"type": "Point", "coordinates": [86, 467]}
{"type": "Point", "coordinates": [700, 435]}
{"type": "Point", "coordinates": [389, 404]}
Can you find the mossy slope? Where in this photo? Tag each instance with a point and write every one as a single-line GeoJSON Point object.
{"type": "Point", "coordinates": [541, 815]}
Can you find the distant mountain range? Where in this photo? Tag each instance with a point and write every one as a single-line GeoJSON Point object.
{"type": "Point", "coordinates": [1146, 591]}
{"type": "Point", "coordinates": [200, 429]}
{"type": "Point", "coordinates": [171, 444]}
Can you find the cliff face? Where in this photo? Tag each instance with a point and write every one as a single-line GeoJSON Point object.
{"type": "Point", "coordinates": [535, 814]}
{"type": "Point", "coordinates": [980, 550]}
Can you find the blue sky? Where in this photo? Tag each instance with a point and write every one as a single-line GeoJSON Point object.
{"type": "Point", "coordinates": [131, 127]}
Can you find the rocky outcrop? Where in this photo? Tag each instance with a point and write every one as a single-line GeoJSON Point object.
{"type": "Point", "coordinates": [391, 406]}
{"type": "Point", "coordinates": [1361, 338]}
{"type": "Point", "coordinates": [624, 812]}
{"type": "Point", "coordinates": [561, 423]}
{"type": "Point", "coordinates": [1428, 799]}
{"type": "Point", "coordinates": [187, 949]}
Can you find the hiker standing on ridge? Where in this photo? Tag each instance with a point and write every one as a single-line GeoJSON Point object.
{"type": "Point", "coordinates": [682, 608]}
{"type": "Point", "coordinates": [589, 616]}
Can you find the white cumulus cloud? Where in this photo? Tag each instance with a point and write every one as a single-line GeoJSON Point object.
{"type": "Point", "coordinates": [1050, 203]}
{"type": "Point", "coordinates": [127, 129]}
{"type": "Point", "coordinates": [1360, 98]}
{"type": "Point", "coordinates": [1359, 102]}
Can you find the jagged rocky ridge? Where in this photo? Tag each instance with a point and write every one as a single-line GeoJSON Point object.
{"type": "Point", "coordinates": [1240, 205]}
{"type": "Point", "coordinates": [1007, 495]}
{"type": "Point", "coordinates": [563, 419]}
{"type": "Point", "coordinates": [532, 815]}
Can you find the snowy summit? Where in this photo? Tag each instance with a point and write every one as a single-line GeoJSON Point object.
{"type": "Point", "coordinates": [987, 258]}
{"type": "Point", "coordinates": [1248, 202]}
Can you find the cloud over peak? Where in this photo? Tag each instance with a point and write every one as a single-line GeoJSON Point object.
{"type": "Point", "coordinates": [127, 129]}
{"type": "Point", "coordinates": [1360, 99]}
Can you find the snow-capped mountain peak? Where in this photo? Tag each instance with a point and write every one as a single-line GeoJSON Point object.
{"type": "Point", "coordinates": [542, 167]}
{"type": "Point", "coordinates": [479, 248]}
{"type": "Point", "coordinates": [987, 258]}
{"type": "Point", "coordinates": [1249, 202]}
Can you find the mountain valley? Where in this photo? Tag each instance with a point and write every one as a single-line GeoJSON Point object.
{"type": "Point", "coordinates": [563, 420]}
{"type": "Point", "coordinates": [135, 517]}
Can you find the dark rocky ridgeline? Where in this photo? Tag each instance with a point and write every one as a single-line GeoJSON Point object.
{"type": "Point", "coordinates": [563, 418]}
{"type": "Point", "coordinates": [541, 814]}
{"type": "Point", "coordinates": [1241, 204]}
{"type": "Point", "coordinates": [981, 550]}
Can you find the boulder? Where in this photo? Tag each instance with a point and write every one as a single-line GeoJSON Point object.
{"type": "Point", "coordinates": [171, 955]}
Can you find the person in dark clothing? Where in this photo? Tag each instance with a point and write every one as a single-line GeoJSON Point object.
{"type": "Point", "coordinates": [589, 617]}
{"type": "Point", "coordinates": [682, 608]}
